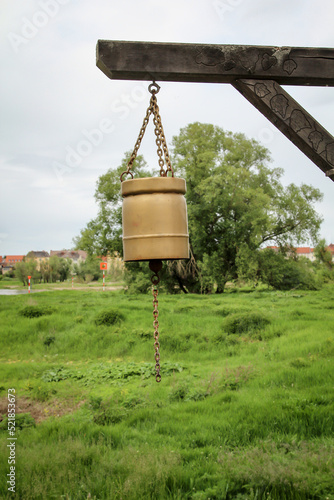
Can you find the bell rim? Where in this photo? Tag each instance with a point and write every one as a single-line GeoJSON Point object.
{"type": "Point", "coordinates": [147, 185]}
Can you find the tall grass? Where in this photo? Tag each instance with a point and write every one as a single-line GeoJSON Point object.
{"type": "Point", "coordinates": [244, 410]}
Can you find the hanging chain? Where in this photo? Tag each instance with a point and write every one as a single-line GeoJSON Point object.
{"type": "Point", "coordinates": [160, 136]}
{"type": "Point", "coordinates": [161, 139]}
{"type": "Point", "coordinates": [156, 266]}
{"type": "Point", "coordinates": [137, 145]}
{"type": "Point", "coordinates": [156, 333]}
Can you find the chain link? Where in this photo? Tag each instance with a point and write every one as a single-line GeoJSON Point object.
{"type": "Point", "coordinates": [160, 136]}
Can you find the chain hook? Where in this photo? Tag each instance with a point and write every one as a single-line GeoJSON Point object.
{"type": "Point", "coordinates": [154, 88]}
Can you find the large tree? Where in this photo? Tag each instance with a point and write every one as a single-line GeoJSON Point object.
{"type": "Point", "coordinates": [25, 269]}
{"type": "Point", "coordinates": [236, 203]}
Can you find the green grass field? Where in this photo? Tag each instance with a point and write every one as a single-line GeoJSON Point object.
{"type": "Point", "coordinates": [244, 410]}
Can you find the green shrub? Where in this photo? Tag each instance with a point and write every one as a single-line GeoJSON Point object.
{"type": "Point", "coordinates": [178, 393]}
{"type": "Point", "coordinates": [109, 317]}
{"type": "Point", "coordinates": [143, 334]}
{"type": "Point", "coordinates": [222, 338]}
{"type": "Point", "coordinates": [141, 283]}
{"type": "Point", "coordinates": [234, 378]}
{"type": "Point", "coordinates": [133, 402]}
{"type": "Point", "coordinates": [49, 339]}
{"type": "Point", "coordinates": [110, 415]}
{"type": "Point", "coordinates": [22, 420]}
{"type": "Point", "coordinates": [300, 363]}
{"type": "Point", "coordinates": [42, 393]}
{"type": "Point", "coordinates": [246, 322]}
{"type": "Point", "coordinates": [95, 402]}
{"type": "Point", "coordinates": [226, 311]}
{"type": "Point", "coordinates": [112, 411]}
{"type": "Point", "coordinates": [285, 274]}
{"type": "Point", "coordinates": [137, 277]}
{"type": "Point", "coordinates": [36, 311]}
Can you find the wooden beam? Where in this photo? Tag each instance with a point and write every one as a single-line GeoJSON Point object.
{"type": "Point", "coordinates": [257, 72]}
{"type": "Point", "coordinates": [292, 120]}
{"type": "Point", "coordinates": [186, 62]}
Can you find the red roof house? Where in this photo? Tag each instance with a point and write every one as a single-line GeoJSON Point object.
{"type": "Point", "coordinates": [13, 259]}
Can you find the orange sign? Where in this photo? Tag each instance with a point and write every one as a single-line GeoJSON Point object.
{"type": "Point", "coordinates": [103, 265]}
{"type": "Point", "coordinates": [29, 277]}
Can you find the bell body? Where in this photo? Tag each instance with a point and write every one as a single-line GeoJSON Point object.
{"type": "Point", "coordinates": [155, 224]}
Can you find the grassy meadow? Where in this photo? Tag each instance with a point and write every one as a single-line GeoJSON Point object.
{"type": "Point", "coordinates": [245, 408]}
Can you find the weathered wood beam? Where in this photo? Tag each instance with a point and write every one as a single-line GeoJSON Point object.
{"type": "Point", "coordinates": [257, 72]}
{"type": "Point", "coordinates": [189, 62]}
{"type": "Point", "coordinates": [292, 120]}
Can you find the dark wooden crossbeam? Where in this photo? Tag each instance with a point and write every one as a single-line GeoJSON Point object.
{"type": "Point", "coordinates": [257, 72]}
{"type": "Point", "coordinates": [189, 62]}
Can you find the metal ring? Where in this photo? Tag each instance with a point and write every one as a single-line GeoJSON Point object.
{"type": "Point", "coordinates": [154, 88]}
{"type": "Point", "coordinates": [125, 172]}
{"type": "Point", "coordinates": [155, 279]}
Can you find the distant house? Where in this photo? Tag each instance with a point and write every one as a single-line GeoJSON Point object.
{"type": "Point", "coordinates": [275, 249]}
{"type": "Point", "coordinates": [8, 262]}
{"type": "Point", "coordinates": [331, 249]}
{"type": "Point", "coordinates": [13, 259]}
{"type": "Point", "coordinates": [306, 252]}
{"type": "Point", "coordinates": [39, 256]}
{"type": "Point", "coordinates": [6, 268]}
{"type": "Point", "coordinates": [76, 256]}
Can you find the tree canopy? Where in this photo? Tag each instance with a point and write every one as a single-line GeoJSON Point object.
{"type": "Point", "coordinates": [236, 204]}
{"type": "Point", "coordinates": [236, 201]}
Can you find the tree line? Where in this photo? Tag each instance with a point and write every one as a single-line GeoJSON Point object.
{"type": "Point", "coordinates": [237, 205]}
{"type": "Point", "coordinates": [57, 269]}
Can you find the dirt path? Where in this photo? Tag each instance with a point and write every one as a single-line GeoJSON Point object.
{"type": "Point", "coordinates": [38, 410]}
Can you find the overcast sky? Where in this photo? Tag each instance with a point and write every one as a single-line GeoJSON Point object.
{"type": "Point", "coordinates": [53, 97]}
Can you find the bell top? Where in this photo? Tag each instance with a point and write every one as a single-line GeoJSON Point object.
{"type": "Point", "coordinates": [147, 185]}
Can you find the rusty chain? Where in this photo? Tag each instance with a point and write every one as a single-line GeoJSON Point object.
{"type": "Point", "coordinates": [156, 333]}
{"type": "Point", "coordinates": [156, 266]}
{"type": "Point", "coordinates": [160, 136]}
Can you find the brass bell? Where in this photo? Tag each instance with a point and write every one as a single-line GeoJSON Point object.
{"type": "Point", "coordinates": [155, 224]}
